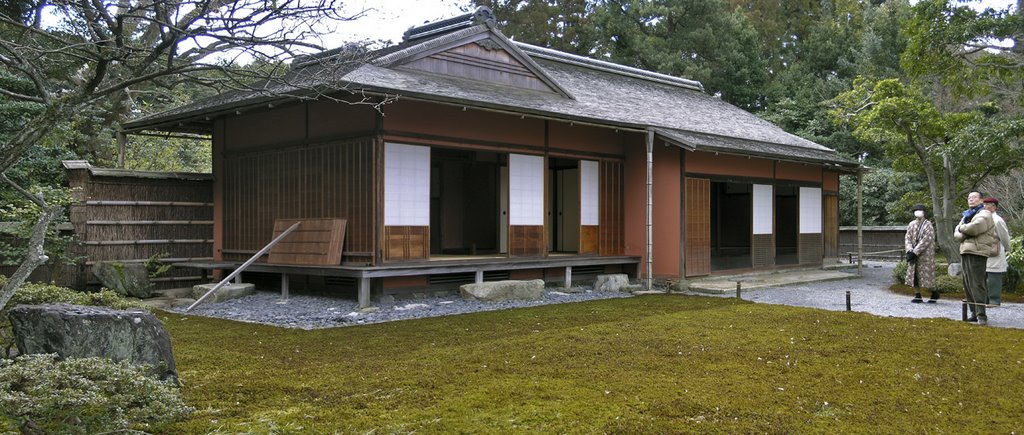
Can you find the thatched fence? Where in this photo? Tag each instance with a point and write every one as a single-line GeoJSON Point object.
{"type": "Point", "coordinates": [133, 216]}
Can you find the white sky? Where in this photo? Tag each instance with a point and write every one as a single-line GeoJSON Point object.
{"type": "Point", "coordinates": [388, 19]}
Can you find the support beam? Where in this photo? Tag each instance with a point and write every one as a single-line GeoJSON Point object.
{"type": "Point", "coordinates": [284, 286]}
{"type": "Point", "coordinates": [860, 220]}
{"type": "Point", "coordinates": [479, 276]}
{"type": "Point", "coordinates": [238, 278]}
{"type": "Point", "coordinates": [648, 283]}
{"type": "Point", "coordinates": [364, 292]}
{"type": "Point", "coordinates": [568, 276]}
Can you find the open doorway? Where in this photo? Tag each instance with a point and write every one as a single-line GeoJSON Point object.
{"type": "Point", "coordinates": [731, 212]}
{"type": "Point", "coordinates": [564, 212]}
{"type": "Point", "coordinates": [787, 220]}
{"type": "Point", "coordinates": [465, 190]}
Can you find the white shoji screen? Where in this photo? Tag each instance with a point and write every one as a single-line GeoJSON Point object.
{"type": "Point", "coordinates": [406, 185]}
{"type": "Point", "coordinates": [525, 190]}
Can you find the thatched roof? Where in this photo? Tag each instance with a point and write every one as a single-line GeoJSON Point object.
{"type": "Point", "coordinates": [584, 89]}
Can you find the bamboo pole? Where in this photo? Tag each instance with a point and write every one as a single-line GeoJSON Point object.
{"type": "Point", "coordinates": [244, 265]}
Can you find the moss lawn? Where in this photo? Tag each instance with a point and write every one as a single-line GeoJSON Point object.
{"type": "Point", "coordinates": [651, 364]}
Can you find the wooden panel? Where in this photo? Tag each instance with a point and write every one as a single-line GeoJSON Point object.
{"type": "Point", "coordinates": [333, 180]}
{"type": "Point", "coordinates": [831, 225]}
{"type": "Point", "coordinates": [480, 61]}
{"type": "Point", "coordinates": [589, 239]}
{"type": "Point", "coordinates": [406, 243]}
{"type": "Point", "coordinates": [611, 237]}
{"type": "Point", "coordinates": [698, 226]}
{"type": "Point", "coordinates": [314, 242]}
{"type": "Point", "coordinates": [763, 250]}
{"type": "Point", "coordinates": [526, 241]}
{"type": "Point", "coordinates": [810, 248]}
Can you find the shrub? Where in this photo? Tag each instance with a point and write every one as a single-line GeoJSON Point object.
{"type": "Point", "coordinates": [949, 284]}
{"type": "Point", "coordinates": [899, 273]}
{"type": "Point", "coordinates": [37, 293]}
{"type": "Point", "coordinates": [41, 394]}
{"type": "Point", "coordinates": [1015, 265]}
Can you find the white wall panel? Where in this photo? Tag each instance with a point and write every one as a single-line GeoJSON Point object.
{"type": "Point", "coordinates": [525, 190]}
{"type": "Point", "coordinates": [406, 185]}
{"type": "Point", "coordinates": [810, 210]}
{"type": "Point", "coordinates": [590, 189]}
{"type": "Point", "coordinates": [763, 211]}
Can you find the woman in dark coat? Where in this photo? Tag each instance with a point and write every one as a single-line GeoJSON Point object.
{"type": "Point", "coordinates": [920, 245]}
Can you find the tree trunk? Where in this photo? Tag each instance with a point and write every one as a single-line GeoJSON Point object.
{"type": "Point", "coordinates": [35, 256]}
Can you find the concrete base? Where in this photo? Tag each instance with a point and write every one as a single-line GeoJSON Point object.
{"type": "Point", "coordinates": [227, 292]}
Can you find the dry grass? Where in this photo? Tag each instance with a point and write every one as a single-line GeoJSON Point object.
{"type": "Point", "coordinates": [653, 364]}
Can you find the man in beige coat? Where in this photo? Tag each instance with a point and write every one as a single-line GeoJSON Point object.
{"type": "Point", "coordinates": [996, 266]}
{"type": "Point", "coordinates": [976, 233]}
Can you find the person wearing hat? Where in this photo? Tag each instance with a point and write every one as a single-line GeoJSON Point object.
{"type": "Point", "coordinates": [996, 265]}
{"type": "Point", "coordinates": [976, 233]}
{"type": "Point", "coordinates": [920, 244]}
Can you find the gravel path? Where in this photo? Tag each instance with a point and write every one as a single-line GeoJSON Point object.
{"type": "Point", "coordinates": [312, 312]}
{"type": "Point", "coordinates": [868, 293]}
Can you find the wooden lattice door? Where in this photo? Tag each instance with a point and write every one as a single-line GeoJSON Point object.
{"type": "Point", "coordinates": [697, 211]}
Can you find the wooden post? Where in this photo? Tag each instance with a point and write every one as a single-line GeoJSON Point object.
{"type": "Point", "coordinates": [860, 221]}
{"type": "Point", "coordinates": [479, 277]}
{"type": "Point", "coordinates": [238, 277]}
{"type": "Point", "coordinates": [568, 276]}
{"type": "Point", "coordinates": [364, 292]}
{"type": "Point", "coordinates": [284, 286]}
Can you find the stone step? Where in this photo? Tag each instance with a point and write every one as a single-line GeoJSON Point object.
{"type": "Point", "coordinates": [183, 292]}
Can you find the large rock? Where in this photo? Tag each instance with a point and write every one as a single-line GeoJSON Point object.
{"type": "Point", "coordinates": [228, 291]}
{"type": "Point", "coordinates": [74, 331]}
{"type": "Point", "coordinates": [496, 291]}
{"type": "Point", "coordinates": [129, 279]}
{"type": "Point", "coordinates": [611, 283]}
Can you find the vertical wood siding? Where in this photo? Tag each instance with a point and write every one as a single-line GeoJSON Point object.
{"type": "Point", "coordinates": [332, 180]}
{"type": "Point", "coordinates": [698, 226]}
{"type": "Point", "coordinates": [831, 225]}
{"type": "Point", "coordinates": [406, 243]}
{"type": "Point", "coordinates": [611, 228]}
{"type": "Point", "coordinates": [589, 239]}
{"type": "Point", "coordinates": [763, 250]}
{"type": "Point", "coordinates": [810, 248]}
{"type": "Point", "coordinates": [526, 241]}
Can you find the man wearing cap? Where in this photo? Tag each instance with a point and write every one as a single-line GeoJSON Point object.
{"type": "Point", "coordinates": [920, 245]}
{"type": "Point", "coordinates": [976, 233]}
{"type": "Point", "coordinates": [996, 265]}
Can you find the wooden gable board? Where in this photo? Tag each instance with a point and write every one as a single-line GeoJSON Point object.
{"type": "Point", "coordinates": [484, 57]}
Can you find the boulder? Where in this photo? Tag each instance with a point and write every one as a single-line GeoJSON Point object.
{"type": "Point", "coordinates": [227, 292]}
{"type": "Point", "coordinates": [611, 283]}
{"type": "Point", "coordinates": [497, 291]}
{"type": "Point", "coordinates": [954, 269]}
{"type": "Point", "coordinates": [131, 279]}
{"type": "Point", "coordinates": [75, 331]}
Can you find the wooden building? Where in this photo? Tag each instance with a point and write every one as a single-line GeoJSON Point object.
{"type": "Point", "coordinates": [495, 159]}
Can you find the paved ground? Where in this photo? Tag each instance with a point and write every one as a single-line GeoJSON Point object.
{"type": "Point", "coordinates": [868, 293]}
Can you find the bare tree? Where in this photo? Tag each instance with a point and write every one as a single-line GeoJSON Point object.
{"type": "Point", "coordinates": [100, 51]}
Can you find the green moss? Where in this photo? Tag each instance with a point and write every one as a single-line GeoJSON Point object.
{"type": "Point", "coordinates": [648, 364]}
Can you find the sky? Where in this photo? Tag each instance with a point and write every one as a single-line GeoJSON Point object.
{"type": "Point", "coordinates": [388, 19]}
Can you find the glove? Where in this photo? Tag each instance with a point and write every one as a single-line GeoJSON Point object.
{"type": "Point", "coordinates": [911, 257]}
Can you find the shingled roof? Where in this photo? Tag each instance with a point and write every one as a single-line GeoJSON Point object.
{"type": "Point", "coordinates": [584, 90]}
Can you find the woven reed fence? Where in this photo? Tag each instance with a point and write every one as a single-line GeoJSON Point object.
{"type": "Point", "coordinates": [132, 216]}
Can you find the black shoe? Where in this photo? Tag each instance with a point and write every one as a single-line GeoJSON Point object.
{"type": "Point", "coordinates": [935, 297]}
{"type": "Point", "coordinates": [972, 319]}
{"type": "Point", "coordinates": [917, 299]}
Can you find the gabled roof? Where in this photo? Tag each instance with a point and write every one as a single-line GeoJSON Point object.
{"type": "Point", "coordinates": [579, 89]}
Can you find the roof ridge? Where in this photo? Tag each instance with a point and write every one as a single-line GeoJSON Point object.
{"type": "Point", "coordinates": [573, 59]}
{"type": "Point", "coordinates": [481, 15]}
